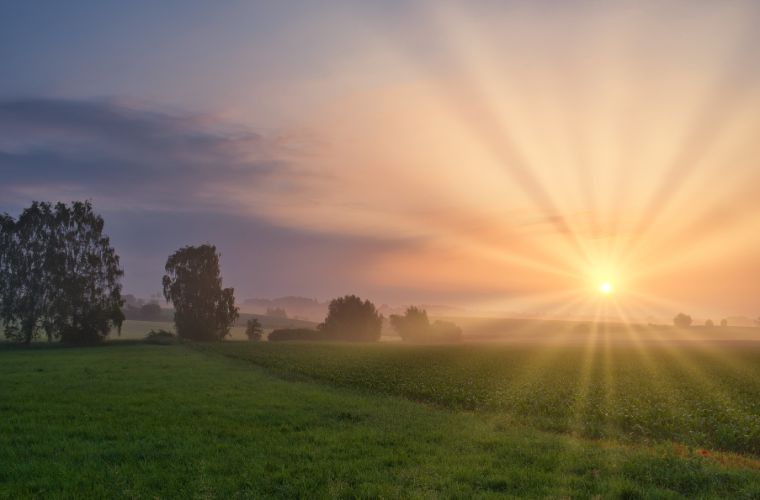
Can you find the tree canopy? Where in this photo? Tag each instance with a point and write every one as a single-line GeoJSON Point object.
{"type": "Point", "coordinates": [59, 275]}
{"type": "Point", "coordinates": [203, 310]}
{"type": "Point", "coordinates": [351, 318]}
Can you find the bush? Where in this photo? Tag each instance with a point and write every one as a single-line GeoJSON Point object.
{"type": "Point", "coordinates": [288, 334]}
{"type": "Point", "coordinates": [160, 337]}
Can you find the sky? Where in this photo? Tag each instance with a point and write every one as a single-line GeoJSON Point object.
{"type": "Point", "coordinates": [493, 155]}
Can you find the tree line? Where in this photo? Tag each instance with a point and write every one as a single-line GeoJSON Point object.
{"type": "Point", "coordinates": [142, 310]}
{"type": "Point", "coordinates": [682, 320]}
{"type": "Point", "coordinates": [60, 280]}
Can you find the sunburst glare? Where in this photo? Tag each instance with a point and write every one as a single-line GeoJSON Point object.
{"type": "Point", "coordinates": [606, 288]}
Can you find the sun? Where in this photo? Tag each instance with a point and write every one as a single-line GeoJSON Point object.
{"type": "Point", "coordinates": [606, 288]}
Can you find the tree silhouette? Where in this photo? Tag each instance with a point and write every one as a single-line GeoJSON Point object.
{"type": "Point", "coordinates": [254, 330]}
{"type": "Point", "coordinates": [59, 275]}
{"type": "Point", "coordinates": [709, 323]}
{"type": "Point", "coordinates": [203, 310]}
{"type": "Point", "coordinates": [682, 320]}
{"type": "Point", "coordinates": [351, 318]}
{"type": "Point", "coordinates": [414, 323]}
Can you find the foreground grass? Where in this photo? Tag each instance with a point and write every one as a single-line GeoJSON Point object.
{"type": "Point", "coordinates": [145, 421]}
{"type": "Point", "coordinates": [703, 395]}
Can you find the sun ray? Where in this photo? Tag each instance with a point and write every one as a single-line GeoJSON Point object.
{"type": "Point", "coordinates": [586, 369]}
{"type": "Point", "coordinates": [681, 361]}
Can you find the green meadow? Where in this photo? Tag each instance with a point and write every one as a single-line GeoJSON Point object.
{"type": "Point", "coordinates": [251, 420]}
{"type": "Point", "coordinates": [136, 330]}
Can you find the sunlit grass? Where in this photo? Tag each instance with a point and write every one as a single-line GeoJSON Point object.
{"type": "Point", "coordinates": [601, 384]}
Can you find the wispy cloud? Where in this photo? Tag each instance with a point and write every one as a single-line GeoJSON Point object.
{"type": "Point", "coordinates": [128, 156]}
{"type": "Point", "coordinates": [165, 179]}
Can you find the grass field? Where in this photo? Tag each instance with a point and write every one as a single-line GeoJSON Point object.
{"type": "Point", "coordinates": [128, 420]}
{"type": "Point", "coordinates": [135, 329]}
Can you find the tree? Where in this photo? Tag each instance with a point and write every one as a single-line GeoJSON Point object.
{"type": "Point", "coordinates": [351, 318]}
{"type": "Point", "coordinates": [682, 320]}
{"type": "Point", "coordinates": [414, 323]}
{"type": "Point", "coordinates": [709, 323]}
{"type": "Point", "coordinates": [59, 275]}
{"type": "Point", "coordinates": [203, 310]}
{"type": "Point", "coordinates": [254, 330]}
{"type": "Point", "coordinates": [724, 323]}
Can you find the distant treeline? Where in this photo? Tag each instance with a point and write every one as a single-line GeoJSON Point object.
{"type": "Point", "coordinates": [60, 278]}
{"type": "Point", "coordinates": [287, 334]}
{"type": "Point", "coordinates": [351, 319]}
{"type": "Point", "coordinates": [147, 312]}
{"type": "Point", "coordinates": [272, 322]}
{"type": "Point", "coordinates": [682, 320]}
{"type": "Point", "coordinates": [139, 310]}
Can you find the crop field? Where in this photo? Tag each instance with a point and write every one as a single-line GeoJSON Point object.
{"type": "Point", "coordinates": [704, 394]}
{"type": "Point", "coordinates": [130, 420]}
